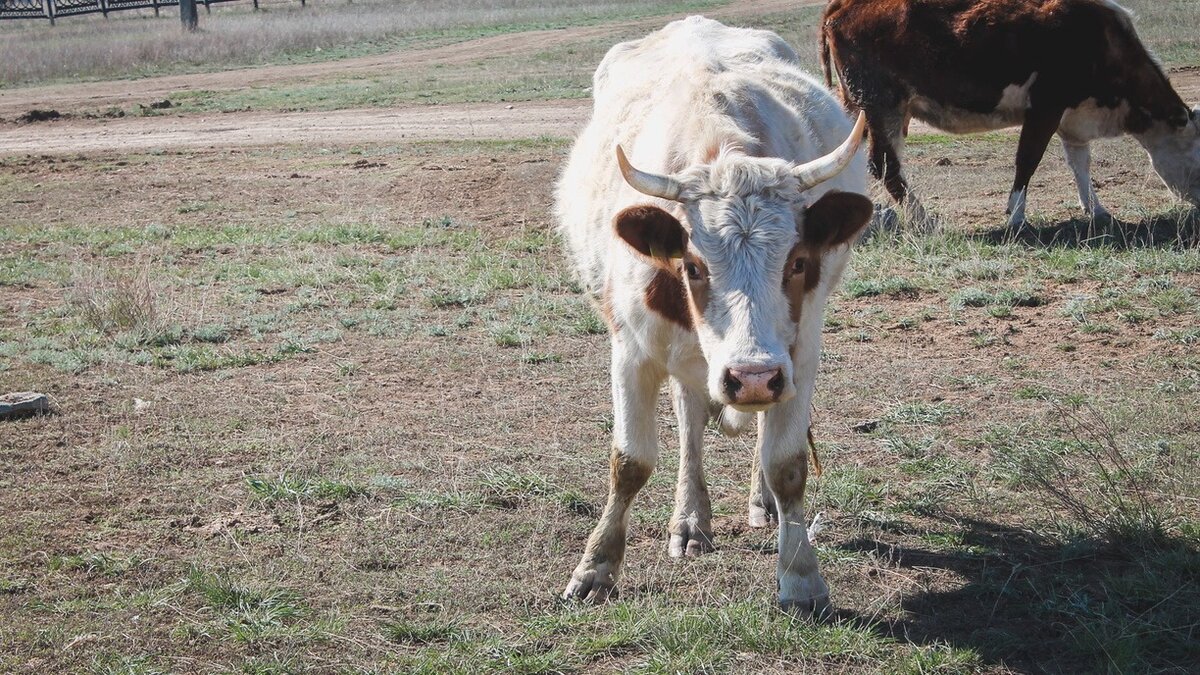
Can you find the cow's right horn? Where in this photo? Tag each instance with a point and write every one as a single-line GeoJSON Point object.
{"type": "Point", "coordinates": [822, 169]}
{"type": "Point", "coordinates": [648, 183]}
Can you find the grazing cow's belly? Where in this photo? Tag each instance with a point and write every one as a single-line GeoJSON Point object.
{"type": "Point", "coordinates": [1008, 112]}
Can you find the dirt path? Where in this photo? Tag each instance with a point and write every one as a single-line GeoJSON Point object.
{"type": "Point", "coordinates": [443, 122]}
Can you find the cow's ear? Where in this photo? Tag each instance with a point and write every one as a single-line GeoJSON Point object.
{"type": "Point", "coordinates": [652, 232]}
{"type": "Point", "coordinates": [836, 218]}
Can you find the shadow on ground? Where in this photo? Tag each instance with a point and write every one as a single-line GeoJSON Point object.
{"type": "Point", "coordinates": [1038, 606]}
{"type": "Point", "coordinates": [1174, 228]}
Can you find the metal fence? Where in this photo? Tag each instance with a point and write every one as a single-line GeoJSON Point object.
{"type": "Point", "coordinates": [50, 9]}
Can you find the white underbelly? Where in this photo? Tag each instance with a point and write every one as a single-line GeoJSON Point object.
{"type": "Point", "coordinates": [1009, 111]}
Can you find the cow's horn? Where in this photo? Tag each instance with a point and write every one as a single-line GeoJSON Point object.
{"type": "Point", "coordinates": [822, 169]}
{"type": "Point", "coordinates": [648, 183]}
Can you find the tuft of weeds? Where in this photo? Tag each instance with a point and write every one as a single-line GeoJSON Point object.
{"type": "Point", "coordinates": [288, 487]}
{"type": "Point", "coordinates": [248, 614]}
{"type": "Point", "coordinates": [95, 563]}
{"type": "Point", "coordinates": [509, 488]}
{"type": "Point", "coordinates": [110, 300]}
{"type": "Point", "coordinates": [435, 632]}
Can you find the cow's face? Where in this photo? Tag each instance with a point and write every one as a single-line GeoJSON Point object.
{"type": "Point", "coordinates": [747, 253]}
{"type": "Point", "coordinates": [1175, 156]}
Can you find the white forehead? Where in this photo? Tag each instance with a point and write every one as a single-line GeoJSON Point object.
{"type": "Point", "coordinates": [742, 210]}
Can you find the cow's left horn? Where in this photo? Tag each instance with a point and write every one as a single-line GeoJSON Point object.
{"type": "Point", "coordinates": [822, 169]}
{"type": "Point", "coordinates": [648, 183]}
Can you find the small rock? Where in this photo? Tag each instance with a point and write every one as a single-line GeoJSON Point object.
{"type": "Point", "coordinates": [865, 426]}
{"type": "Point", "coordinates": [140, 405]}
{"type": "Point", "coordinates": [23, 404]}
{"type": "Point", "coordinates": [945, 161]}
{"type": "Point", "coordinates": [508, 107]}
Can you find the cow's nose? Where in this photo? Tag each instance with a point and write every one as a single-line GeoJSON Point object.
{"type": "Point", "coordinates": [751, 385]}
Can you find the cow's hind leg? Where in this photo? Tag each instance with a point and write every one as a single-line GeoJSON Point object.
{"type": "Point", "coordinates": [1079, 159]}
{"type": "Point", "coordinates": [635, 383]}
{"type": "Point", "coordinates": [887, 132]}
{"type": "Point", "coordinates": [1040, 125]}
{"type": "Point", "coordinates": [691, 523]}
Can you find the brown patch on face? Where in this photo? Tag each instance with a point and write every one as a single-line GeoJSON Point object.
{"type": "Point", "coordinates": [627, 476]}
{"type": "Point", "coordinates": [799, 283]}
{"type": "Point", "coordinates": [697, 289]}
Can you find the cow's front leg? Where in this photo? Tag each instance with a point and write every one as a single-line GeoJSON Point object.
{"type": "Point", "coordinates": [1039, 127]}
{"type": "Point", "coordinates": [635, 383]}
{"type": "Point", "coordinates": [785, 463]}
{"type": "Point", "coordinates": [691, 523]}
{"type": "Point", "coordinates": [1079, 159]}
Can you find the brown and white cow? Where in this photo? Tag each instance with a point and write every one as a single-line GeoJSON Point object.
{"type": "Point", "coordinates": [707, 208]}
{"type": "Point", "coordinates": [1075, 67]}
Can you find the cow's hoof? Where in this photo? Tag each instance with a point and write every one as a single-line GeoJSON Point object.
{"type": "Point", "coordinates": [593, 585]}
{"type": "Point", "coordinates": [690, 540]}
{"type": "Point", "coordinates": [763, 516]}
{"type": "Point", "coordinates": [814, 608]}
{"type": "Point", "coordinates": [806, 596]}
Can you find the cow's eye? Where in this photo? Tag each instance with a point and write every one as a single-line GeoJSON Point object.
{"type": "Point", "coordinates": [797, 266]}
{"type": "Point", "coordinates": [692, 270]}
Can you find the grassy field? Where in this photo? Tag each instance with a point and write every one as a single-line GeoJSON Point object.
{"type": "Point", "coordinates": [343, 409]}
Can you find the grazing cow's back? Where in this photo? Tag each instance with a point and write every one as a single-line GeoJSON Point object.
{"type": "Point", "coordinates": [711, 250]}
{"type": "Point", "coordinates": [1075, 67]}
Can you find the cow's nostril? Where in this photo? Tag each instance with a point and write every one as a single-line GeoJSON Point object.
{"type": "Point", "coordinates": [732, 384]}
{"type": "Point", "coordinates": [776, 383]}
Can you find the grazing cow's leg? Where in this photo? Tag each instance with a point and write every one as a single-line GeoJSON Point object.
{"type": "Point", "coordinates": [1079, 159]}
{"type": "Point", "coordinates": [691, 524]}
{"type": "Point", "coordinates": [1040, 125]}
{"type": "Point", "coordinates": [762, 502]}
{"type": "Point", "coordinates": [887, 135]}
{"type": "Point", "coordinates": [782, 441]}
{"type": "Point", "coordinates": [635, 383]}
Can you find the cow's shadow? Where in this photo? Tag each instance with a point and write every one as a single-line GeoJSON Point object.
{"type": "Point", "coordinates": [1175, 228]}
{"type": "Point", "coordinates": [1034, 606]}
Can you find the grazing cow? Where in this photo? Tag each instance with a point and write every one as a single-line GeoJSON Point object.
{"type": "Point", "coordinates": [711, 261]}
{"type": "Point", "coordinates": [1072, 66]}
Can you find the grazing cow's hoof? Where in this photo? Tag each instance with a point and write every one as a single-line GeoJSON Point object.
{"type": "Point", "coordinates": [593, 585]}
{"type": "Point", "coordinates": [689, 539]}
{"type": "Point", "coordinates": [805, 596]}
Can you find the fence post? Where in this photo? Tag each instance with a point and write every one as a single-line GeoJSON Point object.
{"type": "Point", "coordinates": [49, 9]}
{"type": "Point", "coordinates": [155, 7]}
{"type": "Point", "coordinates": [103, 7]}
{"type": "Point", "coordinates": [188, 15]}
{"type": "Point", "coordinates": [256, 5]}
{"type": "Point", "coordinates": [207, 9]}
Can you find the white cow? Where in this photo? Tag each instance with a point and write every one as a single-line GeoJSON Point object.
{"type": "Point", "coordinates": [711, 262]}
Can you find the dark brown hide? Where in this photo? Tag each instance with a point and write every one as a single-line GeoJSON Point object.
{"type": "Point", "coordinates": [962, 54]}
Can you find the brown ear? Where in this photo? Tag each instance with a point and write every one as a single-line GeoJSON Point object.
{"type": "Point", "coordinates": [835, 218]}
{"type": "Point", "coordinates": [652, 232]}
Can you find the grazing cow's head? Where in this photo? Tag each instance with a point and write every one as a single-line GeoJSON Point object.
{"type": "Point", "coordinates": [1175, 156]}
{"type": "Point", "coordinates": [748, 251]}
